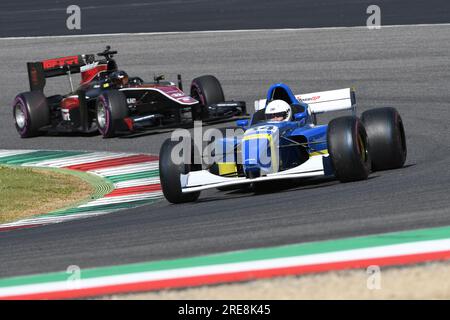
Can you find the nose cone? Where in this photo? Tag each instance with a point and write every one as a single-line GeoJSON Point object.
{"type": "Point", "coordinates": [260, 151]}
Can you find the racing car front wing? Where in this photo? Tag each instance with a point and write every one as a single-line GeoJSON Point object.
{"type": "Point", "coordinates": [319, 165]}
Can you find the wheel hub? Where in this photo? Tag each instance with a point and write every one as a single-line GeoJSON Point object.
{"type": "Point", "coordinates": [20, 116]}
{"type": "Point", "coordinates": [101, 115]}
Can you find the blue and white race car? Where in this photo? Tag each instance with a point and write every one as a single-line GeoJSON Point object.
{"type": "Point", "coordinates": [284, 141]}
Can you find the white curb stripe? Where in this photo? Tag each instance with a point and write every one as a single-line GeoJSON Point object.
{"type": "Point", "coordinates": [78, 160]}
{"type": "Point", "coordinates": [136, 183]}
{"type": "Point", "coordinates": [8, 153]}
{"type": "Point", "coordinates": [55, 219]}
{"type": "Point", "coordinates": [321, 258]}
{"type": "Point", "coordinates": [126, 169]}
{"type": "Point", "coordinates": [122, 199]}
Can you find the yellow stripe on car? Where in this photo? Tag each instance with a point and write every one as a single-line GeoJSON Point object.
{"type": "Point", "coordinates": [319, 153]}
{"type": "Point", "coordinates": [273, 150]}
{"type": "Point", "coordinates": [227, 168]}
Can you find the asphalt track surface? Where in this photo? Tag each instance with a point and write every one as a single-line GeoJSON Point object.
{"type": "Point", "coordinates": [48, 17]}
{"type": "Point", "coordinates": [404, 67]}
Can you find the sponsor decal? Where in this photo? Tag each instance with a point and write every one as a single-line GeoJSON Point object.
{"type": "Point", "coordinates": [65, 114]}
{"type": "Point", "coordinates": [59, 62]}
{"type": "Point", "coordinates": [314, 98]}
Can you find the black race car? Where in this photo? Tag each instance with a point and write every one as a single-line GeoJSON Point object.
{"type": "Point", "coordinates": [110, 101]}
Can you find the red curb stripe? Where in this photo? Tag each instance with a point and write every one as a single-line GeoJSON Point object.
{"type": "Point", "coordinates": [25, 226]}
{"type": "Point", "coordinates": [234, 277]}
{"type": "Point", "coordinates": [112, 163]}
{"type": "Point", "coordinates": [133, 190]}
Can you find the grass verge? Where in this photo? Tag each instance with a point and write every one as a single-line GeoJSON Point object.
{"type": "Point", "coordinates": [25, 192]}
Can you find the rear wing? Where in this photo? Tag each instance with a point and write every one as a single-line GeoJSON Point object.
{"type": "Point", "coordinates": [323, 101]}
{"type": "Point", "coordinates": [39, 71]}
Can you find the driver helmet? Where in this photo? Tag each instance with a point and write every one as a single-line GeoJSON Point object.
{"type": "Point", "coordinates": [119, 78]}
{"type": "Point", "coordinates": [278, 110]}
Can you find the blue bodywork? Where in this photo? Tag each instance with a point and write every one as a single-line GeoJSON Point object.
{"type": "Point", "coordinates": [297, 139]}
{"type": "Point", "coordinates": [301, 124]}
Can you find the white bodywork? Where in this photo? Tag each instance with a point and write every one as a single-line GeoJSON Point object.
{"type": "Point", "coordinates": [323, 101]}
{"type": "Point", "coordinates": [202, 180]}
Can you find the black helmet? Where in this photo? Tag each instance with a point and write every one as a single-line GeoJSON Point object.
{"type": "Point", "coordinates": [119, 78]}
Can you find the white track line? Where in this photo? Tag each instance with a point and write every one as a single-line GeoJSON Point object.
{"type": "Point", "coordinates": [220, 31]}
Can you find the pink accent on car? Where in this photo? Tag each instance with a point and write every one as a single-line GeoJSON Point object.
{"type": "Point", "coordinates": [172, 92]}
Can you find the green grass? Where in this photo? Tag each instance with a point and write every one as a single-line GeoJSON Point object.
{"type": "Point", "coordinates": [25, 192]}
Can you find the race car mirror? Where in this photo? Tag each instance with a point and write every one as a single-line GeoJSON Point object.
{"type": "Point", "coordinates": [180, 82]}
{"type": "Point", "coordinates": [299, 116]}
{"type": "Point", "coordinates": [242, 123]}
{"type": "Point", "coordinates": [158, 78]}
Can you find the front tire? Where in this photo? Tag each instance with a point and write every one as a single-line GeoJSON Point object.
{"type": "Point", "coordinates": [207, 90]}
{"type": "Point", "coordinates": [31, 112]}
{"type": "Point", "coordinates": [170, 173]}
{"type": "Point", "coordinates": [111, 109]}
{"type": "Point", "coordinates": [387, 138]}
{"type": "Point", "coordinates": [215, 169]}
{"type": "Point", "coordinates": [348, 147]}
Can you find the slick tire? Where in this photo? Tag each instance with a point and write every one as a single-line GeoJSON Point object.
{"type": "Point", "coordinates": [111, 110]}
{"type": "Point", "coordinates": [31, 112]}
{"type": "Point", "coordinates": [387, 139]}
{"type": "Point", "coordinates": [207, 90]}
{"type": "Point", "coordinates": [170, 173]}
{"type": "Point", "coordinates": [348, 146]}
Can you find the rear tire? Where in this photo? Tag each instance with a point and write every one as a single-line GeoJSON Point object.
{"type": "Point", "coordinates": [31, 112]}
{"type": "Point", "coordinates": [170, 172]}
{"type": "Point", "coordinates": [348, 147]}
{"type": "Point", "coordinates": [387, 139]}
{"type": "Point", "coordinates": [207, 90]}
{"type": "Point", "coordinates": [111, 110]}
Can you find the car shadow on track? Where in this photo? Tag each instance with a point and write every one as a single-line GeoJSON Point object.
{"type": "Point", "coordinates": [288, 185]}
{"type": "Point", "coordinates": [301, 184]}
{"type": "Point", "coordinates": [71, 134]}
